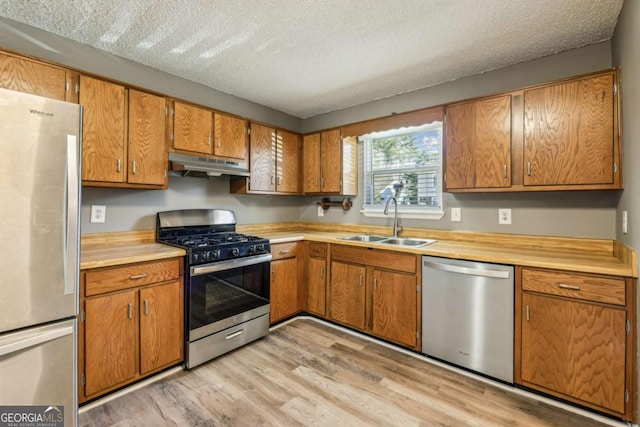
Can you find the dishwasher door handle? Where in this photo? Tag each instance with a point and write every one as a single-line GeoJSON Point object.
{"type": "Point", "coordinates": [467, 270]}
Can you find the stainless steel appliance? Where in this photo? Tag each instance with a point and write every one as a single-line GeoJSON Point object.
{"type": "Point", "coordinates": [227, 278]}
{"type": "Point", "coordinates": [468, 315]}
{"type": "Point", "coordinates": [39, 246]}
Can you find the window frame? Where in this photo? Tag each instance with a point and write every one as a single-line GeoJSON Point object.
{"type": "Point", "coordinates": [406, 211]}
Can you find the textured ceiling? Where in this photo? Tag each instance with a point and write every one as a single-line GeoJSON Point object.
{"type": "Point", "coordinates": [308, 57]}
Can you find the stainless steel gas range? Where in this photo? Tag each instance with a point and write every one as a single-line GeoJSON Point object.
{"type": "Point", "coordinates": [227, 277]}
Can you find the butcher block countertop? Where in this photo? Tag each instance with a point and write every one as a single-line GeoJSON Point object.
{"type": "Point", "coordinates": [598, 256]}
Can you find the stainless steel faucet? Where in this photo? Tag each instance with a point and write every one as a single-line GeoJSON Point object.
{"type": "Point", "coordinates": [396, 227]}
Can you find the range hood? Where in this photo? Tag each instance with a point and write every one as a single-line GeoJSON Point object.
{"type": "Point", "coordinates": [206, 167]}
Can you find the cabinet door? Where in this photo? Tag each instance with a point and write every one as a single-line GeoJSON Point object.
{"type": "Point", "coordinates": [32, 77]}
{"type": "Point", "coordinates": [111, 340]}
{"type": "Point", "coordinates": [161, 326]}
{"type": "Point", "coordinates": [103, 130]}
{"type": "Point", "coordinates": [574, 348]}
{"type": "Point", "coordinates": [459, 165]}
{"type": "Point", "coordinates": [395, 305]}
{"type": "Point", "coordinates": [148, 152]}
{"type": "Point", "coordinates": [230, 137]}
{"type": "Point", "coordinates": [568, 133]}
{"type": "Point", "coordinates": [347, 294]}
{"type": "Point", "coordinates": [311, 163]}
{"type": "Point", "coordinates": [330, 162]}
{"type": "Point", "coordinates": [478, 144]}
{"type": "Point", "coordinates": [288, 162]}
{"type": "Point", "coordinates": [192, 127]}
{"type": "Point", "coordinates": [285, 296]}
{"type": "Point", "coordinates": [263, 149]}
{"type": "Point", "coordinates": [316, 285]}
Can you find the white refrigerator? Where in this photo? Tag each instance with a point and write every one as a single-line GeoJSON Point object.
{"type": "Point", "coordinates": [39, 252]}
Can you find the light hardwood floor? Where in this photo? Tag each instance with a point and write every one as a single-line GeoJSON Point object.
{"type": "Point", "coordinates": [309, 373]}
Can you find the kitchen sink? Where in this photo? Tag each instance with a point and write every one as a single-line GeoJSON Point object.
{"type": "Point", "coordinates": [395, 241]}
{"type": "Point", "coordinates": [414, 243]}
{"type": "Point", "coordinates": [364, 238]}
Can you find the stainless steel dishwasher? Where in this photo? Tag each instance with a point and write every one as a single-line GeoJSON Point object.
{"type": "Point", "coordinates": [468, 315]}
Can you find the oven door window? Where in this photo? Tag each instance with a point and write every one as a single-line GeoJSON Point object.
{"type": "Point", "coordinates": [223, 294]}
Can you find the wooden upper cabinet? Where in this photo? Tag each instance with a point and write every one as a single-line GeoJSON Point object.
{"type": "Point", "coordinates": [103, 131]}
{"type": "Point", "coordinates": [230, 137]}
{"type": "Point", "coordinates": [569, 133]}
{"type": "Point", "coordinates": [478, 144]}
{"type": "Point", "coordinates": [311, 163]}
{"type": "Point", "coordinates": [263, 158]}
{"type": "Point", "coordinates": [24, 75]}
{"type": "Point", "coordinates": [192, 128]}
{"type": "Point", "coordinates": [331, 161]}
{"type": "Point", "coordinates": [287, 156]}
{"type": "Point", "coordinates": [148, 151]}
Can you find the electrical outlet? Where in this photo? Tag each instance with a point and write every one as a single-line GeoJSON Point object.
{"type": "Point", "coordinates": [624, 222]}
{"type": "Point", "coordinates": [320, 211]}
{"type": "Point", "coordinates": [98, 213]}
{"type": "Point", "coordinates": [504, 216]}
{"type": "Point", "coordinates": [456, 215]}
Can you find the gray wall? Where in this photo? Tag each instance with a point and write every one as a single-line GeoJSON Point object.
{"type": "Point", "coordinates": [580, 214]}
{"type": "Point", "coordinates": [627, 56]}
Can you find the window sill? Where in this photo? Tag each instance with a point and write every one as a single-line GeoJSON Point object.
{"type": "Point", "coordinates": [411, 214]}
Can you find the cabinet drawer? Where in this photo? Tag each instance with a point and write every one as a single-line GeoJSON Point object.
{"type": "Point", "coordinates": [609, 290]}
{"type": "Point", "coordinates": [99, 281]}
{"type": "Point", "coordinates": [375, 257]}
{"type": "Point", "coordinates": [318, 249]}
{"type": "Point", "coordinates": [284, 250]}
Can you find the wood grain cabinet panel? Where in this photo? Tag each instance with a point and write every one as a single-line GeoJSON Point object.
{"type": "Point", "coordinates": [286, 298]}
{"type": "Point", "coordinates": [287, 162]}
{"type": "Point", "coordinates": [103, 131]}
{"type": "Point", "coordinates": [111, 335]}
{"type": "Point", "coordinates": [311, 163]}
{"type": "Point", "coordinates": [316, 278]}
{"type": "Point", "coordinates": [331, 161]}
{"type": "Point", "coordinates": [569, 133]}
{"type": "Point", "coordinates": [148, 150]}
{"type": "Point", "coordinates": [347, 294]}
{"type": "Point", "coordinates": [478, 144]}
{"type": "Point", "coordinates": [576, 349]}
{"type": "Point", "coordinates": [192, 128]}
{"type": "Point", "coordinates": [161, 326]}
{"type": "Point", "coordinates": [329, 164]}
{"type": "Point", "coordinates": [395, 307]}
{"type": "Point", "coordinates": [262, 143]}
{"type": "Point", "coordinates": [33, 77]}
{"type": "Point", "coordinates": [230, 136]}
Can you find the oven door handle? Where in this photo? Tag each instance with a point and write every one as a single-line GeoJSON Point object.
{"type": "Point", "coordinates": [229, 264]}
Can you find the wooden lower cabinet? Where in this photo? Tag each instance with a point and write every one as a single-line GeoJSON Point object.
{"type": "Point", "coordinates": [130, 329]}
{"type": "Point", "coordinates": [316, 278]}
{"type": "Point", "coordinates": [377, 292]}
{"type": "Point", "coordinates": [285, 292]}
{"type": "Point", "coordinates": [574, 346]}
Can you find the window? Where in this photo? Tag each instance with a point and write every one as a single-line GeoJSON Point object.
{"type": "Point", "coordinates": [406, 164]}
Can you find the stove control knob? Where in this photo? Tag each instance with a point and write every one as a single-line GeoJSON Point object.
{"type": "Point", "coordinates": [235, 251]}
{"type": "Point", "coordinates": [206, 256]}
{"type": "Point", "coordinates": [253, 249]}
{"type": "Point", "coordinates": [260, 248]}
{"type": "Point", "coordinates": [215, 254]}
{"type": "Point", "coordinates": [195, 258]}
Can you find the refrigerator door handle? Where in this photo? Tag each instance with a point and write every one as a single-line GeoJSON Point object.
{"type": "Point", "coordinates": [34, 340]}
{"type": "Point", "coordinates": [70, 261]}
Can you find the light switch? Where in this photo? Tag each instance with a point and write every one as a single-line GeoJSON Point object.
{"type": "Point", "coordinates": [456, 215]}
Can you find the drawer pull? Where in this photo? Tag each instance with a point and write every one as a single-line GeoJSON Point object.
{"type": "Point", "coordinates": [284, 251]}
{"type": "Point", "coordinates": [146, 307]}
{"type": "Point", "coordinates": [130, 314]}
{"type": "Point", "coordinates": [321, 271]}
{"type": "Point", "coordinates": [572, 287]}
{"type": "Point", "coordinates": [137, 276]}
{"type": "Point", "coordinates": [235, 334]}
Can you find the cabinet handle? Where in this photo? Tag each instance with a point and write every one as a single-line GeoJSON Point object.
{"type": "Point", "coordinates": [209, 140]}
{"type": "Point", "coordinates": [321, 181]}
{"type": "Point", "coordinates": [272, 180]}
{"type": "Point", "coordinates": [361, 280]}
{"type": "Point", "coordinates": [119, 165]}
{"type": "Point", "coordinates": [284, 251]}
{"type": "Point", "coordinates": [505, 170]}
{"type": "Point", "coordinates": [130, 311]}
{"type": "Point", "coordinates": [218, 142]}
{"type": "Point", "coordinates": [565, 286]}
{"type": "Point", "coordinates": [146, 307]}
{"type": "Point", "coordinates": [375, 283]}
{"type": "Point", "coordinates": [133, 167]}
{"type": "Point", "coordinates": [528, 168]}
{"type": "Point", "coordinates": [526, 309]}
{"type": "Point", "coordinates": [279, 180]}
{"type": "Point", "coordinates": [321, 271]}
{"type": "Point", "coordinates": [138, 276]}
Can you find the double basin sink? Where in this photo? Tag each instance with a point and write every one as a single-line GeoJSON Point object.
{"type": "Point", "coordinates": [385, 240]}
